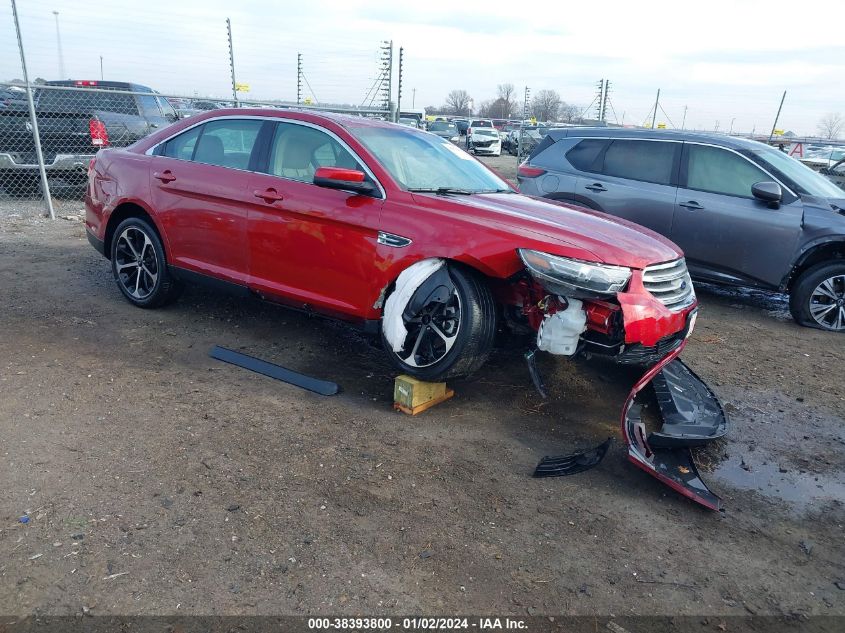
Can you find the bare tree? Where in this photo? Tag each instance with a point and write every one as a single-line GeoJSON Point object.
{"type": "Point", "coordinates": [831, 125]}
{"type": "Point", "coordinates": [545, 105]}
{"type": "Point", "coordinates": [487, 110]}
{"type": "Point", "coordinates": [458, 101]}
{"type": "Point", "coordinates": [568, 112]}
{"type": "Point", "coordinates": [506, 101]}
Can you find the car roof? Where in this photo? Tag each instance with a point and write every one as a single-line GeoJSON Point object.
{"type": "Point", "coordinates": [314, 116]}
{"type": "Point", "coordinates": [732, 142]}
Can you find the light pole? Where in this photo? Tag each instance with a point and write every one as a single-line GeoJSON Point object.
{"type": "Point", "coordinates": [59, 47]}
{"type": "Point", "coordinates": [730, 131]}
{"type": "Point", "coordinates": [101, 68]}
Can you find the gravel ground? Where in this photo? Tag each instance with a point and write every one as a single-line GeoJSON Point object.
{"type": "Point", "coordinates": [159, 481]}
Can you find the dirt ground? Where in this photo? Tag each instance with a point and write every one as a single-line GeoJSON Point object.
{"type": "Point", "coordinates": [157, 480]}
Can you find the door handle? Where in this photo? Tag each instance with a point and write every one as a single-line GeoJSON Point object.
{"type": "Point", "coordinates": [269, 196]}
{"type": "Point", "coordinates": [597, 187]}
{"type": "Point", "coordinates": [153, 124]}
{"type": "Point", "coordinates": [692, 204]}
{"type": "Point", "coordinates": [164, 176]}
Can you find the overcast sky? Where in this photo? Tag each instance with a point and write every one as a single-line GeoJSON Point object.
{"type": "Point", "coordinates": [726, 61]}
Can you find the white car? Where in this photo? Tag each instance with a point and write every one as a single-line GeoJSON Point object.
{"type": "Point", "coordinates": [485, 140]}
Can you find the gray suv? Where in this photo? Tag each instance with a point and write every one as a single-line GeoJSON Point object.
{"type": "Point", "coordinates": [744, 213]}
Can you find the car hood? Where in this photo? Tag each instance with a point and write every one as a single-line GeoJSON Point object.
{"type": "Point", "coordinates": [610, 240]}
{"type": "Point", "coordinates": [825, 204]}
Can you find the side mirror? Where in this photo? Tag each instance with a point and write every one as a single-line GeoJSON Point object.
{"type": "Point", "coordinates": [769, 192]}
{"type": "Point", "coordinates": [343, 179]}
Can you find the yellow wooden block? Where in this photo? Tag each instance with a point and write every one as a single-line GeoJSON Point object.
{"type": "Point", "coordinates": [414, 396]}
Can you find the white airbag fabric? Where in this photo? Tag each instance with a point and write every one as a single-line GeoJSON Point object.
{"type": "Point", "coordinates": [406, 285]}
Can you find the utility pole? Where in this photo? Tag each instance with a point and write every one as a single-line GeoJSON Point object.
{"type": "Point", "coordinates": [684, 121]}
{"type": "Point", "coordinates": [59, 47]}
{"type": "Point", "coordinates": [45, 186]}
{"type": "Point", "coordinates": [413, 97]}
{"type": "Point", "coordinates": [656, 104]}
{"type": "Point", "coordinates": [399, 86]}
{"type": "Point", "coordinates": [390, 79]}
{"type": "Point", "coordinates": [716, 128]}
{"type": "Point", "coordinates": [599, 99]}
{"type": "Point", "coordinates": [525, 102]}
{"type": "Point", "coordinates": [780, 107]}
{"type": "Point", "coordinates": [101, 68]}
{"type": "Point", "coordinates": [232, 63]}
{"type": "Point", "coordinates": [730, 131]}
{"type": "Point", "coordinates": [298, 78]}
{"type": "Point", "coordinates": [604, 100]}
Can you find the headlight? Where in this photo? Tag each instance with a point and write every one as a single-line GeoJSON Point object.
{"type": "Point", "coordinates": [563, 275]}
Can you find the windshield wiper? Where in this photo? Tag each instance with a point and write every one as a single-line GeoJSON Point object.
{"type": "Point", "coordinates": [442, 191]}
{"type": "Point", "coordinates": [496, 191]}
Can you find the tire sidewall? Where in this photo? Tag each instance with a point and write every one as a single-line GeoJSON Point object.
{"type": "Point", "coordinates": [799, 296]}
{"type": "Point", "coordinates": [156, 297]}
{"type": "Point", "coordinates": [470, 312]}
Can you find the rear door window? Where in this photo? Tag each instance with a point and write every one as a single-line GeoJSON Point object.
{"type": "Point", "coordinates": [717, 170]}
{"type": "Point", "coordinates": [227, 143]}
{"type": "Point", "coordinates": [297, 151]}
{"type": "Point", "coordinates": [648, 161]}
{"type": "Point", "coordinates": [183, 145]}
{"type": "Point", "coordinates": [585, 156]}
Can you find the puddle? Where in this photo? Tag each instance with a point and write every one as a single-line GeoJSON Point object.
{"type": "Point", "coordinates": [802, 491]}
{"type": "Point", "coordinates": [774, 303]}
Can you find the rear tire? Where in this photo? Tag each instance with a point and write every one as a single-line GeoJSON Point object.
{"type": "Point", "coordinates": [139, 265]}
{"type": "Point", "coordinates": [818, 297]}
{"type": "Point", "coordinates": [476, 328]}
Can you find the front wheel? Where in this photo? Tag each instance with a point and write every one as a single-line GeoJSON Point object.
{"type": "Point", "coordinates": [139, 267]}
{"type": "Point", "coordinates": [818, 297]}
{"type": "Point", "coordinates": [451, 330]}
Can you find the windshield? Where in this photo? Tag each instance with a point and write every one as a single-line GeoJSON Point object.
{"type": "Point", "coordinates": [417, 160]}
{"type": "Point", "coordinates": [485, 132]}
{"type": "Point", "coordinates": [806, 180]}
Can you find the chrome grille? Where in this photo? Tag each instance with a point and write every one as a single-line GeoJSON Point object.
{"type": "Point", "coordinates": [670, 283]}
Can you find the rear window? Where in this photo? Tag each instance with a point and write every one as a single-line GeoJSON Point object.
{"type": "Point", "coordinates": [481, 124]}
{"type": "Point", "coordinates": [585, 155]}
{"type": "Point", "coordinates": [648, 161]}
{"type": "Point", "coordinates": [86, 101]}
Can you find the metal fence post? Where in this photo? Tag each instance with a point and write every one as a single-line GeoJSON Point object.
{"type": "Point", "coordinates": [232, 63]}
{"type": "Point", "coordinates": [45, 187]}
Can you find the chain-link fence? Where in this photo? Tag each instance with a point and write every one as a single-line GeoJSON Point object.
{"type": "Point", "coordinates": [69, 120]}
{"type": "Point", "coordinates": [77, 118]}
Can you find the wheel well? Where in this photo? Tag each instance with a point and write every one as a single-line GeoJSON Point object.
{"type": "Point", "coordinates": [822, 253]}
{"type": "Point", "coordinates": [389, 288]}
{"type": "Point", "coordinates": [126, 210]}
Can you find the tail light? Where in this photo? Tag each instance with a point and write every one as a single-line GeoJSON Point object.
{"type": "Point", "coordinates": [527, 171]}
{"type": "Point", "coordinates": [99, 133]}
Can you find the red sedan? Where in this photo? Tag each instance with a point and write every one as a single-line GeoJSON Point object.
{"type": "Point", "coordinates": [391, 227]}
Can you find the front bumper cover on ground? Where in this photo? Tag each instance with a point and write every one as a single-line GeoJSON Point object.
{"type": "Point", "coordinates": [692, 416]}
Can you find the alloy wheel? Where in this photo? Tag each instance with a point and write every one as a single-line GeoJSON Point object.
{"type": "Point", "coordinates": [827, 303]}
{"type": "Point", "coordinates": [432, 332]}
{"type": "Point", "coordinates": [136, 263]}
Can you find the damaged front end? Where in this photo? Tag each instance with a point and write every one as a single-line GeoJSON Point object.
{"type": "Point", "coordinates": [641, 317]}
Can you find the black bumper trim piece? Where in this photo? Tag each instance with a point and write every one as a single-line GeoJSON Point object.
{"type": "Point", "coordinates": [322, 387]}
